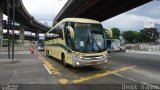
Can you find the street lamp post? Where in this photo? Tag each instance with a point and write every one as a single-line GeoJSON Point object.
{"type": "Point", "coordinates": [54, 2]}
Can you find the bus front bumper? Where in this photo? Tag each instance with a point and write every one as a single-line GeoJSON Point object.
{"type": "Point", "coordinates": [82, 62]}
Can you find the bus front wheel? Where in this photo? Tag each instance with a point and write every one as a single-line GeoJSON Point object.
{"type": "Point", "coordinates": [47, 53]}
{"type": "Point", "coordinates": [63, 60]}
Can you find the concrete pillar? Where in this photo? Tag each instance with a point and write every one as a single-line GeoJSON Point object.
{"type": "Point", "coordinates": [37, 35]}
{"type": "Point", "coordinates": [1, 25]}
{"type": "Point", "coordinates": [21, 36]}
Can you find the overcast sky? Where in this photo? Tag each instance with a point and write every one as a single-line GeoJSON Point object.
{"type": "Point", "coordinates": [43, 10]}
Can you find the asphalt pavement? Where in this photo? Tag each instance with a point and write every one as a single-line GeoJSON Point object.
{"type": "Point", "coordinates": [121, 69]}
{"type": "Point", "coordinates": [147, 66]}
{"type": "Point", "coordinates": [124, 71]}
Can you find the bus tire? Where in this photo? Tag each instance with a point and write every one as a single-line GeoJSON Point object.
{"type": "Point", "coordinates": [63, 60]}
{"type": "Point", "coordinates": [47, 53]}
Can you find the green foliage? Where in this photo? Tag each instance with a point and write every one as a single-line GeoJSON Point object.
{"type": "Point", "coordinates": [116, 33]}
{"type": "Point", "coordinates": [136, 36]}
{"type": "Point", "coordinates": [145, 35]}
{"type": "Point", "coordinates": [131, 36]}
{"type": "Point", "coordinates": [149, 35]}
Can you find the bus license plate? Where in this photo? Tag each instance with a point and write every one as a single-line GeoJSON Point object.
{"type": "Point", "coordinates": [94, 62]}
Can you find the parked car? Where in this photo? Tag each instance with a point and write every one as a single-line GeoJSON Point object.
{"type": "Point", "coordinates": [122, 49]}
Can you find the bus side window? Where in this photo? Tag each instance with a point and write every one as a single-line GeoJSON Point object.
{"type": "Point", "coordinates": [59, 32]}
{"type": "Point", "coordinates": [50, 37]}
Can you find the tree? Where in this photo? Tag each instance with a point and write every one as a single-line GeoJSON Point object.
{"type": "Point", "coordinates": [136, 36]}
{"type": "Point", "coordinates": [116, 33]}
{"type": "Point", "coordinates": [149, 35]}
{"type": "Point", "coordinates": [131, 36]}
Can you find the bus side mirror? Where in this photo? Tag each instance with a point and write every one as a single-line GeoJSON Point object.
{"type": "Point", "coordinates": [71, 31]}
{"type": "Point", "coordinates": [109, 32]}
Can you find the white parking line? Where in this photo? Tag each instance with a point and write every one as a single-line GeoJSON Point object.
{"type": "Point", "coordinates": [126, 77]}
{"type": "Point", "coordinates": [47, 69]}
{"type": "Point", "coordinates": [156, 87]}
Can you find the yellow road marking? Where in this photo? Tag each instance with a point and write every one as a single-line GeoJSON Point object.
{"type": "Point", "coordinates": [63, 81]}
{"type": "Point", "coordinates": [51, 68]}
{"type": "Point", "coordinates": [82, 79]}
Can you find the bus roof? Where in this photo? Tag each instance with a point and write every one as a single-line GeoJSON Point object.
{"type": "Point", "coordinates": [78, 20]}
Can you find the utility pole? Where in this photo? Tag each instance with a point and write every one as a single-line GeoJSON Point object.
{"type": "Point", "coordinates": [1, 25]}
{"type": "Point", "coordinates": [13, 29]}
{"type": "Point", "coordinates": [8, 27]}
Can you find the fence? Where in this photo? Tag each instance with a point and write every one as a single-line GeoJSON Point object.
{"type": "Point", "coordinates": [144, 46]}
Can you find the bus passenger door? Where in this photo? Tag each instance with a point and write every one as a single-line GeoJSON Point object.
{"type": "Point", "coordinates": [67, 38]}
{"type": "Point", "coordinates": [68, 41]}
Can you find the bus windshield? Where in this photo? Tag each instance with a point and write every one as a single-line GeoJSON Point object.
{"type": "Point", "coordinates": [41, 43]}
{"type": "Point", "coordinates": [89, 37]}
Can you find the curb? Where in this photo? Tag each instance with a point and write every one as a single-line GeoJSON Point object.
{"type": "Point", "coordinates": [8, 62]}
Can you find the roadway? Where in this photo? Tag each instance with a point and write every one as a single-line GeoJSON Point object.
{"type": "Point", "coordinates": [122, 68]}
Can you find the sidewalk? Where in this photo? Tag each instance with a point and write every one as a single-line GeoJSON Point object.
{"type": "Point", "coordinates": [28, 69]}
{"type": "Point", "coordinates": [4, 57]}
{"type": "Point", "coordinates": [144, 52]}
{"type": "Point", "coordinates": [16, 48]}
{"type": "Point", "coordinates": [7, 61]}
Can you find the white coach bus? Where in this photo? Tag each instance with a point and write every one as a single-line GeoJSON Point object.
{"type": "Point", "coordinates": [78, 42]}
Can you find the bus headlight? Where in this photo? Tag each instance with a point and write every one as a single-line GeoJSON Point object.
{"type": "Point", "coordinates": [105, 56]}
{"type": "Point", "coordinates": [80, 57]}
{"type": "Point", "coordinates": [83, 58]}
{"type": "Point", "coordinates": [77, 58]}
{"type": "Point", "coordinates": [77, 63]}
